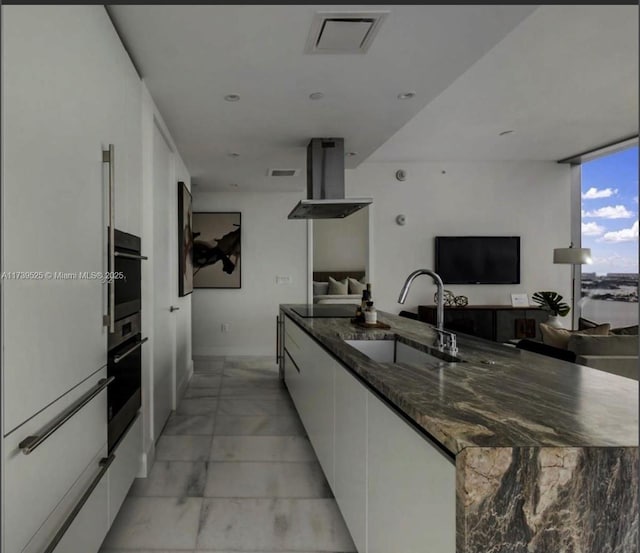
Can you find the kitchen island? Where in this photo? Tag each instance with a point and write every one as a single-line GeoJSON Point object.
{"type": "Point", "coordinates": [543, 454]}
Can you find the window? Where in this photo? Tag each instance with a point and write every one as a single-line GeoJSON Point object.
{"type": "Point", "coordinates": [609, 189]}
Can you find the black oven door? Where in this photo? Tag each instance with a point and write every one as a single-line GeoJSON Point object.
{"type": "Point", "coordinates": [127, 266]}
{"type": "Point", "coordinates": [124, 393]}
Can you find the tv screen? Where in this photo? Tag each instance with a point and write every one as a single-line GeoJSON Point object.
{"type": "Point", "coordinates": [478, 259]}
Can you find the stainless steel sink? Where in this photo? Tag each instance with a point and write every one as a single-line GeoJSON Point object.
{"type": "Point", "coordinates": [396, 351]}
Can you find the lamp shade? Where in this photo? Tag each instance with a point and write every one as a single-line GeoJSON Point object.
{"type": "Point", "coordinates": [572, 256]}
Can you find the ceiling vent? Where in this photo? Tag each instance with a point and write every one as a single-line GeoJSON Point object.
{"type": "Point", "coordinates": [283, 172]}
{"type": "Point", "coordinates": [343, 32]}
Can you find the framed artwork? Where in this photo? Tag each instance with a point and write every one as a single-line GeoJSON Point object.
{"type": "Point", "coordinates": [216, 250]}
{"type": "Point", "coordinates": [185, 241]}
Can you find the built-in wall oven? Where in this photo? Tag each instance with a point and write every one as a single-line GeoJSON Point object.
{"type": "Point", "coordinates": [124, 359]}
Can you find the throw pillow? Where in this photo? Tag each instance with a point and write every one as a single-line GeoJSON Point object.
{"type": "Point", "coordinates": [320, 288]}
{"type": "Point", "coordinates": [355, 286]}
{"type": "Point", "coordinates": [626, 331]}
{"type": "Point", "coordinates": [559, 337]}
{"type": "Point", "coordinates": [338, 288]}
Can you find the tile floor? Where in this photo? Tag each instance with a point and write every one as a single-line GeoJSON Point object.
{"type": "Point", "coordinates": [234, 471]}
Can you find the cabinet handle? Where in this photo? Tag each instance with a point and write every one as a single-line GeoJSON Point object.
{"type": "Point", "coordinates": [104, 464]}
{"type": "Point", "coordinates": [118, 358]}
{"type": "Point", "coordinates": [108, 156]}
{"type": "Point", "coordinates": [172, 309]}
{"type": "Point", "coordinates": [130, 255]}
{"type": "Point", "coordinates": [32, 442]}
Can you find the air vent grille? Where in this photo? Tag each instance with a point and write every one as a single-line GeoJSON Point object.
{"type": "Point", "coordinates": [343, 32]}
{"type": "Point", "coordinates": [283, 172]}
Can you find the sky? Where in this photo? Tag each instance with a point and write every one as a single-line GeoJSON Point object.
{"type": "Point", "coordinates": [610, 212]}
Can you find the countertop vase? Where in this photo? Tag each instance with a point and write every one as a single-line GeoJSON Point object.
{"type": "Point", "coordinates": [555, 321]}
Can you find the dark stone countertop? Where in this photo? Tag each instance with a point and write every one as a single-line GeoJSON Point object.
{"type": "Point", "coordinates": [522, 400]}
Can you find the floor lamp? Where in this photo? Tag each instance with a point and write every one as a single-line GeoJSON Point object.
{"type": "Point", "coordinates": [572, 256]}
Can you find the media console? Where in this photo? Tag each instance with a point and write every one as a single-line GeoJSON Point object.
{"type": "Point", "coordinates": [499, 323]}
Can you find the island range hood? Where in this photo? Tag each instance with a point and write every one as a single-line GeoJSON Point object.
{"type": "Point", "coordinates": [325, 183]}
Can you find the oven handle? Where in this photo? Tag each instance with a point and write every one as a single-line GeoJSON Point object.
{"type": "Point", "coordinates": [118, 358]}
{"type": "Point", "coordinates": [32, 442]}
{"type": "Point", "coordinates": [108, 156]}
{"type": "Point", "coordinates": [130, 255]}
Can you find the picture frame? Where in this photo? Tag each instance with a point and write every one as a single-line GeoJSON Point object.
{"type": "Point", "coordinates": [185, 241]}
{"type": "Point", "coordinates": [217, 245]}
{"type": "Point", "coordinates": [519, 300]}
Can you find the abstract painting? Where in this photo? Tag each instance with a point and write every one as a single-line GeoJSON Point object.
{"type": "Point", "coordinates": [216, 250]}
{"type": "Point", "coordinates": [185, 241]}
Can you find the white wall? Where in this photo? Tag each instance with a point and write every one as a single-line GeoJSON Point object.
{"type": "Point", "coordinates": [271, 245]}
{"type": "Point", "coordinates": [341, 244]}
{"type": "Point", "coordinates": [150, 118]}
{"type": "Point", "coordinates": [528, 199]}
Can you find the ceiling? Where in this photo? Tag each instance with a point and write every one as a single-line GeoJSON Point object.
{"type": "Point", "coordinates": [564, 81]}
{"type": "Point", "coordinates": [192, 56]}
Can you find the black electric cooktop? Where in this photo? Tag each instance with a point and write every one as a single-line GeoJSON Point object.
{"type": "Point", "coordinates": [329, 310]}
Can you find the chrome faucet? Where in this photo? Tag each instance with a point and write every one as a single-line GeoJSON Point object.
{"type": "Point", "coordinates": [451, 337]}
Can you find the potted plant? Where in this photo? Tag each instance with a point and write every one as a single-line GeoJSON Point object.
{"type": "Point", "coordinates": [552, 302]}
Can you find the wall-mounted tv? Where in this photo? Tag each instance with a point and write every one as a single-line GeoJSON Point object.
{"type": "Point", "coordinates": [478, 259]}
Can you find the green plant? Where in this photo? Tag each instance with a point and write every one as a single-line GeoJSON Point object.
{"type": "Point", "coordinates": [551, 301]}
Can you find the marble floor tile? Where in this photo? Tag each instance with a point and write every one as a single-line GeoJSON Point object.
{"type": "Point", "coordinates": [200, 391]}
{"type": "Point", "coordinates": [272, 525]}
{"type": "Point", "coordinates": [253, 391]}
{"type": "Point", "coordinates": [172, 479]}
{"type": "Point", "coordinates": [261, 448]}
{"type": "Point", "coordinates": [258, 382]}
{"type": "Point", "coordinates": [183, 448]}
{"type": "Point", "coordinates": [250, 373]}
{"type": "Point", "coordinates": [197, 406]}
{"type": "Point", "coordinates": [206, 380]}
{"type": "Point", "coordinates": [258, 425]}
{"type": "Point", "coordinates": [248, 362]}
{"type": "Point", "coordinates": [155, 523]}
{"type": "Point", "coordinates": [189, 425]}
{"type": "Point", "coordinates": [305, 480]}
{"type": "Point", "coordinates": [242, 407]}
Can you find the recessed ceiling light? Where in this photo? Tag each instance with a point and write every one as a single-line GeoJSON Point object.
{"type": "Point", "coordinates": [406, 95]}
{"type": "Point", "coordinates": [316, 95]}
{"type": "Point", "coordinates": [232, 97]}
{"type": "Point", "coordinates": [351, 154]}
{"type": "Point", "coordinates": [233, 154]}
{"type": "Point", "coordinates": [505, 132]}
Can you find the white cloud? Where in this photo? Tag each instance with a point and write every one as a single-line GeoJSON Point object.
{"type": "Point", "coordinates": [594, 193]}
{"type": "Point", "coordinates": [592, 229]}
{"type": "Point", "coordinates": [610, 212]}
{"type": "Point", "coordinates": [622, 235]}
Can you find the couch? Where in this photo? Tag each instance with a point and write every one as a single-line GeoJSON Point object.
{"type": "Point", "coordinates": [321, 283]}
{"type": "Point", "coordinates": [614, 351]}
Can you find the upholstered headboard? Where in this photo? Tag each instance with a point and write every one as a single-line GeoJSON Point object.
{"type": "Point", "coordinates": [323, 276]}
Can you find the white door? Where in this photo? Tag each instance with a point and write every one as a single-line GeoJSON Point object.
{"type": "Point", "coordinates": [163, 321]}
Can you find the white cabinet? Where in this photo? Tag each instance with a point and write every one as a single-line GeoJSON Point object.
{"type": "Point", "coordinates": [411, 488]}
{"type": "Point", "coordinates": [124, 467]}
{"type": "Point", "coordinates": [36, 485]}
{"type": "Point", "coordinates": [350, 486]}
{"type": "Point", "coordinates": [395, 488]}
{"type": "Point", "coordinates": [313, 393]}
{"type": "Point", "coordinates": [68, 90]}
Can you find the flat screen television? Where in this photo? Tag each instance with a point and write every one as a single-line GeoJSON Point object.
{"type": "Point", "coordinates": [478, 259]}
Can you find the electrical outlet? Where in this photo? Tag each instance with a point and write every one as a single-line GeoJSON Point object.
{"type": "Point", "coordinates": [285, 279]}
{"type": "Point", "coordinates": [225, 327]}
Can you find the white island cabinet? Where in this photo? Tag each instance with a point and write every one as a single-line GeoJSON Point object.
{"type": "Point", "coordinates": [394, 487]}
{"type": "Point", "coordinates": [69, 90]}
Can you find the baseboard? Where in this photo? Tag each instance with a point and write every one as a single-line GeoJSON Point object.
{"type": "Point", "coordinates": [186, 377]}
{"type": "Point", "coordinates": [146, 461]}
{"type": "Point", "coordinates": [228, 351]}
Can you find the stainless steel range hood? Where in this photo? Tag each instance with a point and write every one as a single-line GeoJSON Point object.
{"type": "Point", "coordinates": [325, 183]}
